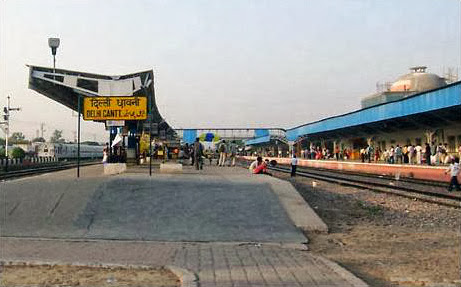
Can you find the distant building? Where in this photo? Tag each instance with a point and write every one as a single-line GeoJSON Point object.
{"type": "Point", "coordinates": [415, 82]}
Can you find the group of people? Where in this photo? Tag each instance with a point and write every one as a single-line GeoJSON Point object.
{"type": "Point", "coordinates": [259, 166]}
{"type": "Point", "coordinates": [430, 154]}
{"type": "Point", "coordinates": [324, 153]}
{"type": "Point", "coordinates": [225, 154]}
{"type": "Point", "coordinates": [113, 154]}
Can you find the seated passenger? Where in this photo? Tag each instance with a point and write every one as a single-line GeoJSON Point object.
{"type": "Point", "coordinates": [254, 164]}
{"type": "Point", "coordinates": [262, 167]}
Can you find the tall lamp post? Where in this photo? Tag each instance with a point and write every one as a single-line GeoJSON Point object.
{"type": "Point", "coordinates": [54, 44]}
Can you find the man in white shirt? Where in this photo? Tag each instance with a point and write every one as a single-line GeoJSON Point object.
{"type": "Point", "coordinates": [253, 165]}
{"type": "Point", "coordinates": [419, 150]}
{"type": "Point", "coordinates": [294, 164]}
{"type": "Point", "coordinates": [453, 169]}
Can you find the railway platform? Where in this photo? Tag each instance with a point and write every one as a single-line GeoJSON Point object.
{"type": "Point", "coordinates": [421, 172]}
{"type": "Point", "coordinates": [224, 225]}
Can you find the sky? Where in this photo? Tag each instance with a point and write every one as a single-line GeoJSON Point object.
{"type": "Point", "coordinates": [239, 63]}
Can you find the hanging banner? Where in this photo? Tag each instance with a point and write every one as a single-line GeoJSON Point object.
{"type": "Point", "coordinates": [115, 108]}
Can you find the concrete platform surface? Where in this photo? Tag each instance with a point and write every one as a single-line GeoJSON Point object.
{"type": "Point", "coordinates": [165, 207]}
{"type": "Point", "coordinates": [227, 226]}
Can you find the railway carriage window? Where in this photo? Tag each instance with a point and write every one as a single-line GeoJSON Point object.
{"type": "Point", "coordinates": [88, 85]}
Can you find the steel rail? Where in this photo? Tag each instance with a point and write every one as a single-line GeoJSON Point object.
{"type": "Point", "coordinates": [40, 170]}
{"type": "Point", "coordinates": [447, 199]}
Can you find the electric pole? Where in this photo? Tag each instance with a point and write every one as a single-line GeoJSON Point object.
{"type": "Point", "coordinates": [6, 122]}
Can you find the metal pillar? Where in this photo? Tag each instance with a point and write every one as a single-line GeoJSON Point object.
{"type": "Point", "coordinates": [78, 136]}
{"type": "Point", "coordinates": [7, 133]}
{"type": "Point", "coordinates": [54, 67]}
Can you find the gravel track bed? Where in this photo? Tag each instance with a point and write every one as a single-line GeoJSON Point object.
{"type": "Point", "coordinates": [385, 239]}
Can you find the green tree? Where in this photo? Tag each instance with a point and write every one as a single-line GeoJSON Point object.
{"type": "Point", "coordinates": [57, 137]}
{"type": "Point", "coordinates": [17, 137]}
{"type": "Point", "coordinates": [18, 153]}
{"type": "Point", "coordinates": [38, 140]}
{"type": "Point", "coordinates": [2, 141]}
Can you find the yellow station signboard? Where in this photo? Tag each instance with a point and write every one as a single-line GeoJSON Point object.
{"type": "Point", "coordinates": [115, 108]}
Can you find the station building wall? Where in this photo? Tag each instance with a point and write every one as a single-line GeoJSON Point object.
{"type": "Point", "coordinates": [450, 135]}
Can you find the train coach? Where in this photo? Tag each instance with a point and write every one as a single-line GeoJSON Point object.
{"type": "Point", "coordinates": [69, 151]}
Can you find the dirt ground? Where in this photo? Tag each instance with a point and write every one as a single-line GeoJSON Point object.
{"type": "Point", "coordinates": [66, 275]}
{"type": "Point", "coordinates": [384, 239]}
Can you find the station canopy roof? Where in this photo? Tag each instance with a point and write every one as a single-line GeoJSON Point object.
{"type": "Point", "coordinates": [65, 86]}
{"type": "Point", "coordinates": [426, 110]}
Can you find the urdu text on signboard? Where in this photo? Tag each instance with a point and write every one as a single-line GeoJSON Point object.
{"type": "Point", "coordinates": [115, 108]}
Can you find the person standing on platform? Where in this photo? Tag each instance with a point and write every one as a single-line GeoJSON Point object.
{"type": "Point", "coordinates": [411, 154]}
{"type": "Point", "coordinates": [337, 152]}
{"type": "Point", "coordinates": [418, 150]}
{"type": "Point", "coordinates": [453, 169]}
{"type": "Point", "coordinates": [439, 154]}
{"type": "Point", "coordinates": [392, 155]}
{"type": "Point", "coordinates": [198, 153]}
{"type": "Point", "coordinates": [362, 154]}
{"type": "Point", "coordinates": [377, 154]}
{"type": "Point", "coordinates": [446, 157]}
{"type": "Point", "coordinates": [405, 154]}
{"type": "Point", "coordinates": [398, 154]}
{"type": "Point", "coordinates": [294, 164]}
{"type": "Point", "coordinates": [371, 153]}
{"type": "Point", "coordinates": [233, 153]}
{"type": "Point", "coordinates": [222, 153]}
{"type": "Point", "coordinates": [427, 154]}
{"type": "Point", "coordinates": [434, 151]}
{"type": "Point", "coordinates": [105, 154]}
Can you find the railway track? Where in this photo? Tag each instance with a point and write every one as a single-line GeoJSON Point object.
{"type": "Point", "coordinates": [426, 191]}
{"type": "Point", "coordinates": [40, 170]}
{"type": "Point", "coordinates": [419, 191]}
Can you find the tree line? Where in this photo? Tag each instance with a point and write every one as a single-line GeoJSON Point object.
{"type": "Point", "coordinates": [20, 138]}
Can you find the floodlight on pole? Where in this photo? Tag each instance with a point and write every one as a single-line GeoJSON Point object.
{"type": "Point", "coordinates": [54, 44]}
